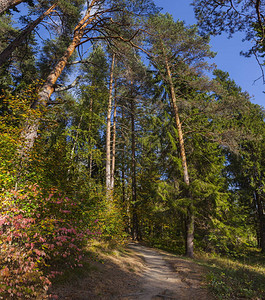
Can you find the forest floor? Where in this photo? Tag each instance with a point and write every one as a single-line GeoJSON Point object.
{"type": "Point", "coordinates": [136, 272]}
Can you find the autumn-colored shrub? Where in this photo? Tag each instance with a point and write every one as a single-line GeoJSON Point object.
{"type": "Point", "coordinates": [41, 234]}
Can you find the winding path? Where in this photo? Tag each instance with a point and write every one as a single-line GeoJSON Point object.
{"type": "Point", "coordinates": [163, 280]}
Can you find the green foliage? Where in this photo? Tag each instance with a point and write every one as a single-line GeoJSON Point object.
{"type": "Point", "coordinates": [53, 50]}
{"type": "Point", "coordinates": [14, 111]}
{"type": "Point", "coordinates": [235, 279]}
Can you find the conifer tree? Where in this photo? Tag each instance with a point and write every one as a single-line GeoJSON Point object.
{"type": "Point", "coordinates": [171, 53]}
{"type": "Point", "coordinates": [90, 23]}
{"type": "Point", "coordinates": [244, 169]}
{"type": "Point", "coordinates": [229, 16]}
{"type": "Point", "coordinates": [109, 157]}
{"type": "Point", "coordinates": [7, 52]}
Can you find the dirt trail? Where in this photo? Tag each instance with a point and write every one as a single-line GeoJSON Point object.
{"type": "Point", "coordinates": [168, 277]}
{"type": "Point", "coordinates": [138, 273]}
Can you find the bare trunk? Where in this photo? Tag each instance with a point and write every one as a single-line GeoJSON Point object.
{"type": "Point", "coordinates": [113, 145]}
{"type": "Point", "coordinates": [29, 132]}
{"type": "Point", "coordinates": [189, 232]}
{"type": "Point", "coordinates": [190, 214]}
{"type": "Point", "coordinates": [28, 136]}
{"type": "Point", "coordinates": [6, 54]}
{"type": "Point", "coordinates": [178, 124]}
{"type": "Point", "coordinates": [123, 164]}
{"type": "Point", "coordinates": [135, 221]}
{"type": "Point", "coordinates": [7, 4]}
{"type": "Point", "coordinates": [108, 131]}
{"type": "Point", "coordinates": [90, 133]}
{"type": "Point", "coordinates": [261, 222]}
{"type": "Point", "coordinates": [75, 142]}
{"type": "Point", "coordinates": [76, 138]}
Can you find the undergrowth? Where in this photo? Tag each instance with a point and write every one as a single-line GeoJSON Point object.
{"type": "Point", "coordinates": [235, 278]}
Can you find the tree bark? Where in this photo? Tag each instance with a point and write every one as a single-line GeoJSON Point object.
{"type": "Point", "coordinates": [190, 214]}
{"type": "Point", "coordinates": [76, 138]}
{"type": "Point", "coordinates": [123, 163]}
{"type": "Point", "coordinates": [178, 123]}
{"type": "Point", "coordinates": [135, 221]}
{"type": "Point", "coordinates": [75, 142]}
{"type": "Point", "coordinates": [112, 180]}
{"type": "Point", "coordinates": [7, 52]}
{"type": "Point", "coordinates": [30, 130]}
{"type": "Point", "coordinates": [108, 131]}
{"type": "Point", "coordinates": [189, 232]}
{"type": "Point", "coordinates": [261, 222]}
{"type": "Point", "coordinates": [90, 133]}
{"type": "Point", "coordinates": [7, 4]}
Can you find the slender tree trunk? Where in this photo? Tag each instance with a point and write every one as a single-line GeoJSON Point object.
{"type": "Point", "coordinates": [113, 144]}
{"type": "Point", "coordinates": [123, 164]}
{"type": "Point", "coordinates": [135, 221]}
{"type": "Point", "coordinates": [178, 124]}
{"type": "Point", "coordinates": [189, 232]}
{"type": "Point", "coordinates": [90, 133]}
{"type": "Point", "coordinates": [30, 131]}
{"type": "Point", "coordinates": [76, 138]}
{"type": "Point", "coordinates": [261, 222]}
{"type": "Point", "coordinates": [190, 213]}
{"type": "Point", "coordinates": [6, 54]}
{"type": "Point", "coordinates": [7, 4]}
{"type": "Point", "coordinates": [108, 131]}
{"type": "Point", "coordinates": [125, 201]}
{"type": "Point", "coordinates": [75, 141]}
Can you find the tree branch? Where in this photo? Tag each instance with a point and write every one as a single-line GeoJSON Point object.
{"type": "Point", "coordinates": [68, 87]}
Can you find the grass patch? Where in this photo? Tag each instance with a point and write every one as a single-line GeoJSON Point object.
{"type": "Point", "coordinates": [235, 278]}
{"type": "Point", "coordinates": [106, 246]}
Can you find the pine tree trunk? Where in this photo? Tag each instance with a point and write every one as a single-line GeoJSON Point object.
{"type": "Point", "coordinates": [178, 124]}
{"type": "Point", "coordinates": [28, 136]}
{"type": "Point", "coordinates": [7, 4]}
{"type": "Point", "coordinates": [190, 214]}
{"type": "Point", "coordinates": [261, 222]}
{"type": "Point", "coordinates": [108, 131]}
{"type": "Point", "coordinates": [75, 142]}
{"type": "Point", "coordinates": [189, 232]}
{"type": "Point", "coordinates": [30, 131]}
{"type": "Point", "coordinates": [123, 163]}
{"type": "Point", "coordinates": [135, 221]}
{"type": "Point", "coordinates": [90, 133]}
{"type": "Point", "coordinates": [113, 144]}
{"type": "Point", "coordinates": [7, 53]}
{"type": "Point", "coordinates": [76, 138]}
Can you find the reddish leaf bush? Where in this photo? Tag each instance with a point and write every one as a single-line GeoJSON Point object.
{"type": "Point", "coordinates": [40, 235]}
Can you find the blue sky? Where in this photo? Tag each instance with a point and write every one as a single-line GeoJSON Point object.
{"type": "Point", "coordinates": [243, 70]}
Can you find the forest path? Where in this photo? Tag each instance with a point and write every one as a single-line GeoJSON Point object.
{"type": "Point", "coordinates": [168, 277]}
{"type": "Point", "coordinates": [135, 273]}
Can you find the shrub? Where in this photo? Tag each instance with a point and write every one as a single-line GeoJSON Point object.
{"type": "Point", "coordinates": [41, 233]}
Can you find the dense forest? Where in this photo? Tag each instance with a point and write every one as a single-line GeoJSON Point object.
{"type": "Point", "coordinates": [116, 123]}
